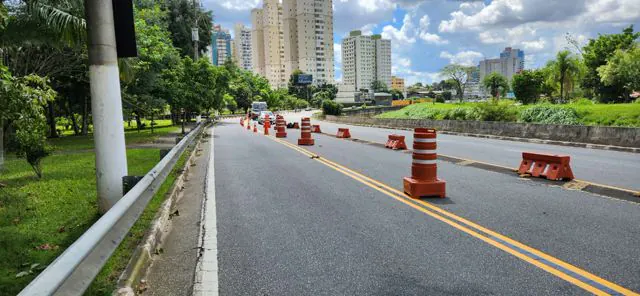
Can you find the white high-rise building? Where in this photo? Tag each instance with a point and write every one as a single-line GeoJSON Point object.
{"type": "Point", "coordinates": [242, 46]}
{"type": "Point", "coordinates": [365, 59]}
{"type": "Point", "coordinates": [304, 40]}
{"type": "Point", "coordinates": [511, 61]}
{"type": "Point", "coordinates": [257, 41]}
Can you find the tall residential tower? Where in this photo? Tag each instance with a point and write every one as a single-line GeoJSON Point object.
{"type": "Point", "coordinates": [242, 46]}
{"type": "Point", "coordinates": [304, 40]}
{"type": "Point", "coordinates": [365, 59]}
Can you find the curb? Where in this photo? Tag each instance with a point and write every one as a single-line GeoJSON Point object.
{"type": "Point", "coordinates": [494, 137]}
{"type": "Point", "coordinates": [581, 185]}
{"type": "Point", "coordinates": [160, 227]}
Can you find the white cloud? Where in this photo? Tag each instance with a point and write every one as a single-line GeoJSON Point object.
{"type": "Point", "coordinates": [371, 6]}
{"type": "Point", "coordinates": [404, 62]}
{"type": "Point", "coordinates": [489, 37]}
{"type": "Point", "coordinates": [368, 29]}
{"type": "Point", "coordinates": [535, 45]}
{"type": "Point", "coordinates": [466, 58]}
{"type": "Point", "coordinates": [337, 54]}
{"type": "Point", "coordinates": [424, 22]}
{"type": "Point", "coordinates": [236, 4]}
{"type": "Point", "coordinates": [403, 36]}
{"type": "Point", "coordinates": [614, 10]}
{"type": "Point", "coordinates": [506, 13]}
{"type": "Point", "coordinates": [433, 38]}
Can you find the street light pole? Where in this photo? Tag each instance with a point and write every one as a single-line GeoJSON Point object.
{"type": "Point", "coordinates": [106, 103]}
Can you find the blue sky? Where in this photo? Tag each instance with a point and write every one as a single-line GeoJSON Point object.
{"type": "Point", "coordinates": [429, 34]}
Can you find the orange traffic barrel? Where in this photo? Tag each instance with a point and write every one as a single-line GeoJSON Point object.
{"type": "Point", "coordinates": [280, 127]}
{"type": "Point", "coordinates": [305, 133]}
{"type": "Point", "coordinates": [424, 169]}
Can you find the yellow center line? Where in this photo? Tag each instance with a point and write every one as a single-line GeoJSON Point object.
{"type": "Point", "coordinates": [468, 226]}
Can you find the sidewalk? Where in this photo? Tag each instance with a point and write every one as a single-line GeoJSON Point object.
{"type": "Point", "coordinates": [172, 271]}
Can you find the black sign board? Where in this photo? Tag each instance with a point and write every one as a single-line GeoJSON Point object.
{"type": "Point", "coordinates": [125, 28]}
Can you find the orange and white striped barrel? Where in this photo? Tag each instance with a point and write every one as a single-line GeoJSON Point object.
{"type": "Point", "coordinates": [424, 167]}
{"type": "Point", "coordinates": [267, 124]}
{"type": "Point", "coordinates": [305, 132]}
{"type": "Point", "coordinates": [280, 127]}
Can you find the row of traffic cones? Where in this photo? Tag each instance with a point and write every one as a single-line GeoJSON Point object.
{"type": "Point", "coordinates": [424, 179]}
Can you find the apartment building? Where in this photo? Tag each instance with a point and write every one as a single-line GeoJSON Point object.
{"type": "Point", "coordinates": [242, 47]}
{"type": "Point", "coordinates": [397, 83]}
{"type": "Point", "coordinates": [220, 45]}
{"type": "Point", "coordinates": [304, 40]}
{"type": "Point", "coordinates": [511, 61]}
{"type": "Point", "coordinates": [365, 59]}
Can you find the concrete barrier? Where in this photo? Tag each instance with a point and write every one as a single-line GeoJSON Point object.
{"type": "Point", "coordinates": [370, 111]}
{"type": "Point", "coordinates": [601, 135]}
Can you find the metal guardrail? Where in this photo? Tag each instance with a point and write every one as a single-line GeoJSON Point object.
{"type": "Point", "coordinates": [74, 270]}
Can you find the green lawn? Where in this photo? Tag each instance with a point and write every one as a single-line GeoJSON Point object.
{"type": "Point", "coordinates": [588, 114]}
{"type": "Point", "coordinates": [132, 136]}
{"type": "Point", "coordinates": [40, 218]}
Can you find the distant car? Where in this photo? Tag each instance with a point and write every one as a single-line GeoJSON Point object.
{"type": "Point", "coordinates": [263, 114]}
{"type": "Point", "coordinates": [308, 109]}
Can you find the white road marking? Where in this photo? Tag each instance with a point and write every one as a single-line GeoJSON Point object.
{"type": "Point", "coordinates": [206, 281]}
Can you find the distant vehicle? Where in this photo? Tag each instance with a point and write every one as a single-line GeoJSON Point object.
{"type": "Point", "coordinates": [308, 109]}
{"type": "Point", "coordinates": [263, 114]}
{"type": "Point", "coordinates": [256, 108]}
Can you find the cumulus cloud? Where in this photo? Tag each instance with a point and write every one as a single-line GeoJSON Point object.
{"type": "Point", "coordinates": [535, 45]}
{"type": "Point", "coordinates": [403, 36]}
{"type": "Point", "coordinates": [465, 58]}
{"type": "Point", "coordinates": [511, 12]}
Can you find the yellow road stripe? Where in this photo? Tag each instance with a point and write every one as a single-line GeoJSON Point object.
{"type": "Point", "coordinates": [381, 187]}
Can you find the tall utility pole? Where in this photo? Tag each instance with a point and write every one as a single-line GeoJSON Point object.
{"type": "Point", "coordinates": [106, 103]}
{"type": "Point", "coordinates": [194, 32]}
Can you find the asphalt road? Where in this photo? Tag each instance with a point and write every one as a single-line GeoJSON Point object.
{"type": "Point", "coordinates": [292, 225]}
{"type": "Point", "coordinates": [613, 168]}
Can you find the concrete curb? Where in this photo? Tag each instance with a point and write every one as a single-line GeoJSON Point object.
{"type": "Point", "coordinates": [158, 230]}
{"type": "Point", "coordinates": [526, 140]}
{"type": "Point", "coordinates": [594, 188]}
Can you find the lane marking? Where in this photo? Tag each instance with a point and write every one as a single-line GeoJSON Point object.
{"type": "Point", "coordinates": [557, 267]}
{"type": "Point", "coordinates": [206, 277]}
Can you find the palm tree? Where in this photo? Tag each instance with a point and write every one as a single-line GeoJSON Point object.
{"type": "Point", "coordinates": [495, 83]}
{"type": "Point", "coordinates": [565, 68]}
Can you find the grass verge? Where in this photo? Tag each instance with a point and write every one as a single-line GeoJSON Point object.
{"type": "Point", "coordinates": [587, 114]}
{"type": "Point", "coordinates": [40, 218]}
{"type": "Point", "coordinates": [132, 136]}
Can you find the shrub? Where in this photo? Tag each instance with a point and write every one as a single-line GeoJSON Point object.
{"type": "Point", "coordinates": [330, 107]}
{"type": "Point", "coordinates": [583, 101]}
{"type": "Point", "coordinates": [494, 110]}
{"type": "Point", "coordinates": [439, 99]}
{"type": "Point", "coordinates": [549, 115]}
{"type": "Point", "coordinates": [458, 113]}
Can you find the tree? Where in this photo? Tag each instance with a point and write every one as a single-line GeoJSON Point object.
{"type": "Point", "coordinates": [596, 54]}
{"type": "Point", "coordinates": [622, 69]}
{"type": "Point", "coordinates": [396, 95]}
{"type": "Point", "coordinates": [565, 68]}
{"type": "Point", "coordinates": [23, 100]}
{"type": "Point", "coordinates": [379, 86]}
{"type": "Point", "coordinates": [458, 76]}
{"type": "Point", "coordinates": [528, 85]}
{"type": "Point", "coordinates": [181, 18]}
{"type": "Point", "coordinates": [495, 83]}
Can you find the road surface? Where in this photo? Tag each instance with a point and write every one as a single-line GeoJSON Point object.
{"type": "Point", "coordinates": [289, 223]}
{"type": "Point", "coordinates": [613, 168]}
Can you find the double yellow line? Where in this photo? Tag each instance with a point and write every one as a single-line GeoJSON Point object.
{"type": "Point", "coordinates": [557, 267]}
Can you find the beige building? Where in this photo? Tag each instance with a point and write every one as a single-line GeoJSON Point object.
{"type": "Point", "coordinates": [397, 83]}
{"type": "Point", "coordinates": [242, 47]}
{"type": "Point", "coordinates": [304, 40]}
{"type": "Point", "coordinates": [365, 59]}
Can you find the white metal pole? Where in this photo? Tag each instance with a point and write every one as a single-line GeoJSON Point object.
{"type": "Point", "coordinates": [106, 104]}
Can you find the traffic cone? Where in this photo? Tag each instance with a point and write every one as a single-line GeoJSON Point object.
{"type": "Point", "coordinates": [241, 121]}
{"type": "Point", "coordinates": [305, 133]}
{"type": "Point", "coordinates": [424, 177]}
{"type": "Point", "coordinates": [255, 128]}
{"type": "Point", "coordinates": [280, 126]}
{"type": "Point", "coordinates": [267, 124]}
